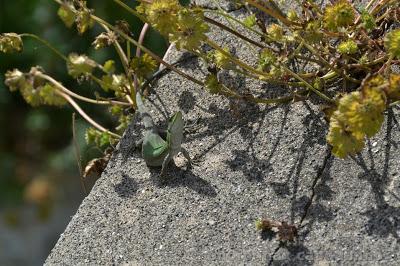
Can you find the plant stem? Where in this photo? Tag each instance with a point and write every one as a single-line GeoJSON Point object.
{"type": "Point", "coordinates": [77, 96]}
{"type": "Point", "coordinates": [236, 61]}
{"type": "Point", "coordinates": [78, 155]}
{"type": "Point", "coordinates": [272, 13]}
{"type": "Point", "coordinates": [308, 85]}
{"type": "Point", "coordinates": [222, 26]}
{"type": "Point", "coordinates": [57, 52]}
{"type": "Point", "coordinates": [143, 48]}
{"type": "Point", "coordinates": [226, 15]}
{"type": "Point", "coordinates": [130, 10]}
{"type": "Point", "coordinates": [85, 116]}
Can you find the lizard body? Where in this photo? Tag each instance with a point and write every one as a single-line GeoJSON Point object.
{"type": "Point", "coordinates": [157, 151]}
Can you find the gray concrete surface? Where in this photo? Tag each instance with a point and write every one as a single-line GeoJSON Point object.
{"type": "Point", "coordinates": [257, 161]}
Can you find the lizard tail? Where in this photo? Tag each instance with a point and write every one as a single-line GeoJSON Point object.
{"type": "Point", "coordinates": [144, 112]}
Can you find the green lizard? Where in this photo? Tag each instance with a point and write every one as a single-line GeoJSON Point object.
{"type": "Point", "coordinates": [157, 151]}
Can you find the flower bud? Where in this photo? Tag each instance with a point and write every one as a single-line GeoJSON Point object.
{"type": "Point", "coordinates": [10, 42]}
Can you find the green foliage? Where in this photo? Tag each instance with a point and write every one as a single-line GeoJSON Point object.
{"type": "Point", "coordinates": [98, 138]}
{"type": "Point", "coordinates": [368, 20]}
{"type": "Point", "coordinates": [337, 44]}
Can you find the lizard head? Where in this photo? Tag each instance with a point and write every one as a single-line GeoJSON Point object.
{"type": "Point", "coordinates": [175, 130]}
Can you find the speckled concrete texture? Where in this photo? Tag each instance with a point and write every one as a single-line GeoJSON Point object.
{"type": "Point", "coordinates": [254, 161]}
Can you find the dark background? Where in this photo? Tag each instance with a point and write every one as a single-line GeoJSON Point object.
{"type": "Point", "coordinates": [39, 178]}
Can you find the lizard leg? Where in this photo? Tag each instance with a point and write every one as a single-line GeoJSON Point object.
{"type": "Point", "coordinates": [139, 142]}
{"type": "Point", "coordinates": [192, 126]}
{"type": "Point", "coordinates": [187, 156]}
{"type": "Point", "coordinates": [165, 163]}
{"type": "Point", "coordinates": [162, 133]}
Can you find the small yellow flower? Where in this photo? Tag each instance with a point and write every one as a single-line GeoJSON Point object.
{"type": "Point", "coordinates": [66, 14]}
{"type": "Point", "coordinates": [348, 47]}
{"type": "Point", "coordinates": [393, 91]}
{"type": "Point", "coordinates": [10, 42]}
{"type": "Point", "coordinates": [340, 14]}
{"type": "Point", "coordinates": [143, 66]}
{"type": "Point", "coordinates": [222, 60]}
{"type": "Point", "coordinates": [83, 19]}
{"type": "Point", "coordinates": [161, 14]}
{"type": "Point", "coordinates": [343, 142]}
{"type": "Point", "coordinates": [190, 31]}
{"type": "Point", "coordinates": [78, 65]}
{"type": "Point", "coordinates": [212, 84]}
{"type": "Point", "coordinates": [15, 79]}
{"type": "Point", "coordinates": [250, 21]}
{"type": "Point", "coordinates": [275, 32]}
{"type": "Point", "coordinates": [292, 15]}
{"type": "Point", "coordinates": [392, 43]}
{"type": "Point", "coordinates": [266, 59]}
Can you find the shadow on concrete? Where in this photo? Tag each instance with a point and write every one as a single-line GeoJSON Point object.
{"type": "Point", "coordinates": [178, 177]}
{"type": "Point", "coordinates": [298, 254]}
{"type": "Point", "coordinates": [384, 219]}
{"type": "Point", "coordinates": [127, 187]}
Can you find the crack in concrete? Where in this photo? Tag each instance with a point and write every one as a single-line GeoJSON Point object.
{"type": "Point", "coordinates": [271, 260]}
{"type": "Point", "coordinates": [309, 203]}
{"type": "Point", "coordinates": [314, 184]}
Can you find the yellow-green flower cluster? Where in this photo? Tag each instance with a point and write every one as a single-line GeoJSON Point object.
{"type": "Point", "coordinates": [348, 47]}
{"type": "Point", "coordinates": [67, 14]}
{"type": "Point", "coordinates": [161, 14]}
{"type": "Point", "coordinates": [123, 118]}
{"type": "Point", "coordinates": [313, 32]}
{"type": "Point", "coordinates": [392, 43]}
{"type": "Point", "coordinates": [393, 90]}
{"type": "Point", "coordinates": [76, 12]}
{"type": "Point", "coordinates": [275, 32]}
{"type": "Point", "coordinates": [34, 90]}
{"type": "Point", "coordinates": [183, 26]}
{"type": "Point", "coordinates": [368, 20]}
{"type": "Point", "coordinates": [83, 18]}
{"type": "Point", "coordinates": [359, 115]}
{"type": "Point", "coordinates": [190, 30]}
{"type": "Point", "coordinates": [104, 39]}
{"type": "Point", "coordinates": [340, 14]}
{"type": "Point", "coordinates": [143, 66]}
{"type": "Point", "coordinates": [266, 59]}
{"type": "Point", "coordinates": [116, 83]}
{"type": "Point", "coordinates": [79, 65]}
{"type": "Point", "coordinates": [250, 21]}
{"type": "Point", "coordinates": [10, 42]}
{"type": "Point", "coordinates": [222, 59]}
{"type": "Point", "coordinates": [212, 84]}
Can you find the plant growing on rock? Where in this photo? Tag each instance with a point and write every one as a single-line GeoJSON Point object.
{"type": "Point", "coordinates": [349, 52]}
